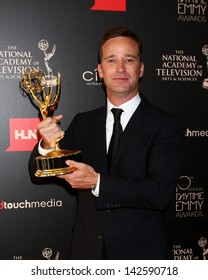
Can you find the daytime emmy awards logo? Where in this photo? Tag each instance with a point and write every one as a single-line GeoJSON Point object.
{"type": "Point", "coordinates": [192, 10]}
{"type": "Point", "coordinates": [189, 199]}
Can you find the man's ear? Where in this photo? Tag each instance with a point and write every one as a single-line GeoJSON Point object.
{"type": "Point", "coordinates": [100, 72]}
{"type": "Point", "coordinates": [141, 72]}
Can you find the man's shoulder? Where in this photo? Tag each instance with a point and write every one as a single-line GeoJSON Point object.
{"type": "Point", "coordinates": [160, 114]}
{"type": "Point", "coordinates": [92, 112]}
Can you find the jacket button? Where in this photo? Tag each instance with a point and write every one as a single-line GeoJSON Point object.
{"type": "Point", "coordinates": [100, 236]}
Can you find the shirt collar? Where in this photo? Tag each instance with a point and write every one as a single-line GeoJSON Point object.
{"type": "Point", "coordinates": [128, 107]}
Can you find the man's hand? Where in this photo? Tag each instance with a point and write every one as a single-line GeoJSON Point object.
{"type": "Point", "coordinates": [83, 176]}
{"type": "Point", "coordinates": [50, 131]}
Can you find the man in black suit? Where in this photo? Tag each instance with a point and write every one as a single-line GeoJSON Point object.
{"type": "Point", "coordinates": [121, 203]}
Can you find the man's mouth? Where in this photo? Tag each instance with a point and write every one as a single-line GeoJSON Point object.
{"type": "Point", "coordinates": [120, 78]}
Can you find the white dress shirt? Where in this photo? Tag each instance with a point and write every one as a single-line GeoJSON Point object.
{"type": "Point", "coordinates": [128, 109]}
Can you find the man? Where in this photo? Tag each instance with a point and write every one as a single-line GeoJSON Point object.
{"type": "Point", "coordinates": [121, 204]}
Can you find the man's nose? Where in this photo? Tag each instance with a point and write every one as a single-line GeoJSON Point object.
{"type": "Point", "coordinates": [120, 66]}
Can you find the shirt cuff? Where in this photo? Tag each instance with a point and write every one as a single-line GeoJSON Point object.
{"type": "Point", "coordinates": [96, 189]}
{"type": "Point", "coordinates": [42, 151]}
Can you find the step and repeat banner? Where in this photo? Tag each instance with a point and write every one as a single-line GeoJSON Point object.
{"type": "Point", "coordinates": [63, 36]}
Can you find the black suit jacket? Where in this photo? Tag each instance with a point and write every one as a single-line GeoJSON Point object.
{"type": "Point", "coordinates": [126, 221]}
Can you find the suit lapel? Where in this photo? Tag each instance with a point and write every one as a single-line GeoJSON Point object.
{"type": "Point", "coordinates": [100, 128]}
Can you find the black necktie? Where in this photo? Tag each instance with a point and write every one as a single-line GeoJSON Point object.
{"type": "Point", "coordinates": [117, 130]}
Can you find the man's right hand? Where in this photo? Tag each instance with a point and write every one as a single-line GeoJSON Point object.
{"type": "Point", "coordinates": [50, 131]}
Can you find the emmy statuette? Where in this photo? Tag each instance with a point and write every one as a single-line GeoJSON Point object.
{"type": "Point", "coordinates": [45, 91]}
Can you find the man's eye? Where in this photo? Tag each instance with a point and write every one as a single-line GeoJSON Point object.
{"type": "Point", "coordinates": [111, 60]}
{"type": "Point", "coordinates": [129, 60]}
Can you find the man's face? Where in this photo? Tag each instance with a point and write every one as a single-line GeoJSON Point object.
{"type": "Point", "coordinates": [120, 67]}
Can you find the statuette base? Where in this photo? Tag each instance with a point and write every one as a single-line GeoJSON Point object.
{"type": "Point", "coordinates": [53, 163]}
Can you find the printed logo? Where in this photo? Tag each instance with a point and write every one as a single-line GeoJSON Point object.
{"type": "Point", "coordinates": [205, 52]}
{"type": "Point", "coordinates": [49, 79]}
{"type": "Point", "coordinates": [180, 253]}
{"type": "Point", "coordinates": [47, 254]}
{"type": "Point", "coordinates": [92, 78]}
{"type": "Point", "coordinates": [23, 134]}
{"type": "Point", "coordinates": [110, 5]}
{"type": "Point", "coordinates": [179, 66]}
{"type": "Point", "coordinates": [192, 10]}
{"type": "Point", "coordinates": [14, 62]}
{"type": "Point", "coordinates": [52, 203]}
{"type": "Point", "coordinates": [196, 133]}
{"type": "Point", "coordinates": [202, 242]}
{"type": "Point", "coordinates": [189, 199]}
